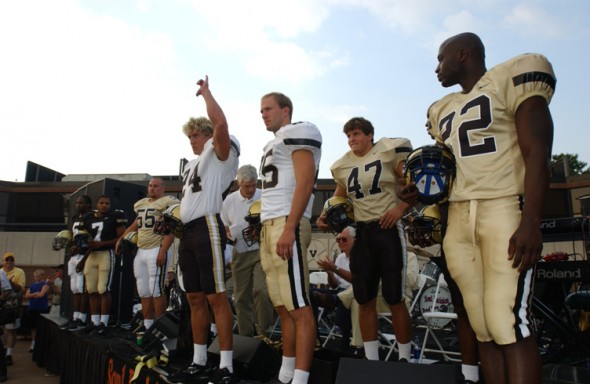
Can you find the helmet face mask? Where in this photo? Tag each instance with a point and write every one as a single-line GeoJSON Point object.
{"type": "Point", "coordinates": [81, 239]}
{"type": "Point", "coordinates": [425, 229]}
{"type": "Point", "coordinates": [62, 240]}
{"type": "Point", "coordinates": [339, 213]}
{"type": "Point", "coordinates": [170, 222]}
{"type": "Point", "coordinates": [251, 233]}
{"type": "Point", "coordinates": [432, 169]}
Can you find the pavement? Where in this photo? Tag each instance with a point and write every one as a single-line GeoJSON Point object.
{"type": "Point", "coordinates": [25, 370]}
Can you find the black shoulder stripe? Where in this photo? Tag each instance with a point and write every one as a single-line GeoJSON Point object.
{"type": "Point", "coordinates": [531, 77]}
{"type": "Point", "coordinates": [310, 142]}
{"type": "Point", "coordinates": [403, 149]}
{"type": "Point", "coordinates": [236, 147]}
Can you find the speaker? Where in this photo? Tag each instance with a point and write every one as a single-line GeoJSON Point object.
{"type": "Point", "coordinates": [253, 358]}
{"type": "Point", "coordinates": [164, 332]}
{"type": "Point", "coordinates": [354, 371]}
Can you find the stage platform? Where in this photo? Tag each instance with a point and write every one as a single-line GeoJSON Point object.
{"type": "Point", "coordinates": [79, 358]}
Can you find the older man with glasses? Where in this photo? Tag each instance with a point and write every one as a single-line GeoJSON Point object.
{"type": "Point", "coordinates": [339, 279]}
{"type": "Point", "coordinates": [16, 276]}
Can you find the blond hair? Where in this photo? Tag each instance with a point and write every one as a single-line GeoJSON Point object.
{"type": "Point", "coordinates": [199, 124]}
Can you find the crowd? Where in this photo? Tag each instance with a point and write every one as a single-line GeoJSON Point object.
{"type": "Point", "coordinates": [498, 132]}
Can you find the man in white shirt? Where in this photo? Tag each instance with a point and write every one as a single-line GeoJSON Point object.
{"type": "Point", "coordinates": [251, 303]}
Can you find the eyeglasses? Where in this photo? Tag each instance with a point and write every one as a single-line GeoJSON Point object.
{"type": "Point", "coordinates": [341, 239]}
{"type": "Point", "coordinates": [9, 259]}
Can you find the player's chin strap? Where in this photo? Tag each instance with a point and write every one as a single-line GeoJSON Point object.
{"type": "Point", "coordinates": [152, 359]}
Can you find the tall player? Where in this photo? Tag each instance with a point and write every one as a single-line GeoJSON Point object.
{"type": "Point", "coordinates": [151, 261]}
{"type": "Point", "coordinates": [368, 175]}
{"type": "Point", "coordinates": [288, 171]}
{"type": "Point", "coordinates": [105, 227]}
{"type": "Point", "coordinates": [200, 255]}
{"type": "Point", "coordinates": [79, 296]}
{"type": "Point", "coordinates": [501, 132]}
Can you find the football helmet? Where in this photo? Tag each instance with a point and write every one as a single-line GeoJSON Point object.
{"type": "Point", "coordinates": [128, 244]}
{"type": "Point", "coordinates": [432, 168]}
{"type": "Point", "coordinates": [425, 229]}
{"type": "Point", "coordinates": [170, 222]}
{"type": "Point", "coordinates": [251, 234]}
{"type": "Point", "coordinates": [81, 239]}
{"type": "Point", "coordinates": [62, 240]}
{"type": "Point", "coordinates": [339, 213]}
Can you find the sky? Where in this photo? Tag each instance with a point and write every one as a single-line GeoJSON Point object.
{"type": "Point", "coordinates": [93, 87]}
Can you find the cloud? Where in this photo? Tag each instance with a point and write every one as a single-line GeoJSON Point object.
{"type": "Point", "coordinates": [530, 20]}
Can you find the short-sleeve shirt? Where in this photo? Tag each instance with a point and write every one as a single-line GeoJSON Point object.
{"type": "Point", "coordinates": [480, 129]}
{"type": "Point", "coordinates": [370, 181]}
{"type": "Point", "coordinates": [234, 210]}
{"type": "Point", "coordinates": [277, 171]}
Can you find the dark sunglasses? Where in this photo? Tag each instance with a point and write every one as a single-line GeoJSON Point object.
{"type": "Point", "coordinates": [341, 239]}
{"type": "Point", "coordinates": [9, 259]}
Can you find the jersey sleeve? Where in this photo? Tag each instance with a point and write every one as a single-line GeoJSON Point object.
{"type": "Point", "coordinates": [528, 75]}
{"type": "Point", "coordinates": [400, 148]}
{"type": "Point", "coordinates": [120, 217]}
{"type": "Point", "coordinates": [302, 135]}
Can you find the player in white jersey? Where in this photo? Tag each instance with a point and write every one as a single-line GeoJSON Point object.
{"type": "Point", "coordinates": [79, 295]}
{"type": "Point", "coordinates": [288, 171]}
{"type": "Point", "coordinates": [368, 175]}
{"type": "Point", "coordinates": [201, 249]}
{"type": "Point", "coordinates": [153, 250]}
{"type": "Point", "coordinates": [500, 130]}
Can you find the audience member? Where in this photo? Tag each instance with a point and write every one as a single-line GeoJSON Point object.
{"type": "Point", "coordinates": [38, 296]}
{"type": "Point", "coordinates": [254, 310]}
{"type": "Point", "coordinates": [17, 279]}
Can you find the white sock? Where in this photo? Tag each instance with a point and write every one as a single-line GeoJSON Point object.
{"type": "Point", "coordinates": [287, 369]}
{"type": "Point", "coordinates": [83, 317]}
{"type": "Point", "coordinates": [225, 360]}
{"type": "Point", "coordinates": [76, 315]}
{"type": "Point", "coordinates": [95, 319]}
{"type": "Point", "coordinates": [470, 372]}
{"type": "Point", "coordinates": [213, 328]}
{"type": "Point", "coordinates": [300, 377]}
{"type": "Point", "coordinates": [147, 323]}
{"type": "Point", "coordinates": [104, 319]}
{"type": "Point", "coordinates": [371, 349]}
{"type": "Point", "coordinates": [200, 354]}
{"type": "Point", "coordinates": [404, 351]}
{"type": "Point", "coordinates": [33, 344]}
{"type": "Point", "coordinates": [9, 351]}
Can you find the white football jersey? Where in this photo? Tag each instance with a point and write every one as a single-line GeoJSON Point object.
{"type": "Point", "coordinates": [276, 168]}
{"type": "Point", "coordinates": [205, 180]}
{"type": "Point", "coordinates": [480, 129]}
{"type": "Point", "coordinates": [147, 213]}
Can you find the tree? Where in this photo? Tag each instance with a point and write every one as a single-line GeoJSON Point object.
{"type": "Point", "coordinates": [574, 166]}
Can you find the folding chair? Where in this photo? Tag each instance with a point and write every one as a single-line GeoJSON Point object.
{"type": "Point", "coordinates": [436, 319]}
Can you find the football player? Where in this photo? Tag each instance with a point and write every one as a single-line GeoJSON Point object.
{"type": "Point", "coordinates": [201, 251]}
{"type": "Point", "coordinates": [153, 250]}
{"type": "Point", "coordinates": [368, 175]}
{"type": "Point", "coordinates": [106, 227]}
{"type": "Point", "coordinates": [288, 171]}
{"type": "Point", "coordinates": [83, 206]}
{"type": "Point", "coordinates": [500, 130]}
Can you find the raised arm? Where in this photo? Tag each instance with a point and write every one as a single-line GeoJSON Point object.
{"type": "Point", "coordinates": [221, 140]}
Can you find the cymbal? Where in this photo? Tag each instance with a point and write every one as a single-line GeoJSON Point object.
{"type": "Point", "coordinates": [420, 251]}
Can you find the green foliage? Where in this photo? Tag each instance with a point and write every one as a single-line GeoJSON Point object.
{"type": "Point", "coordinates": [575, 166]}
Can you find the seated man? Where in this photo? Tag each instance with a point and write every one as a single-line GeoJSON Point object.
{"type": "Point", "coordinates": [339, 278]}
{"type": "Point", "coordinates": [346, 299]}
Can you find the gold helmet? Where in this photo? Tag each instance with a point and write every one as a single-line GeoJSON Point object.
{"type": "Point", "coordinates": [170, 222]}
{"type": "Point", "coordinates": [432, 168]}
{"type": "Point", "coordinates": [128, 243]}
{"type": "Point", "coordinates": [425, 229]}
{"type": "Point", "coordinates": [62, 240]}
{"type": "Point", "coordinates": [251, 233]}
{"type": "Point", "coordinates": [81, 239]}
{"type": "Point", "coordinates": [339, 213]}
